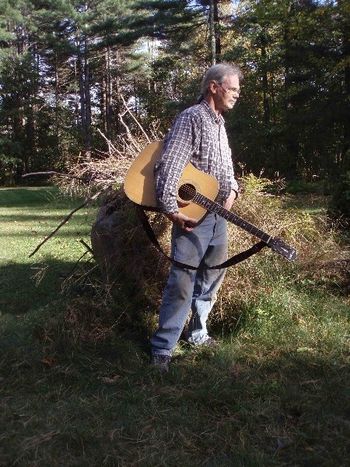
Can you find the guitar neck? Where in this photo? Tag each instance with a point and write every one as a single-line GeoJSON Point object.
{"type": "Point", "coordinates": [216, 208]}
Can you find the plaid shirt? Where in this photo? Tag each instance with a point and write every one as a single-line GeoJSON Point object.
{"type": "Point", "coordinates": [197, 136]}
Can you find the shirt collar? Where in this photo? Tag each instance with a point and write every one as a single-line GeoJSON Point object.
{"type": "Point", "coordinates": [217, 118]}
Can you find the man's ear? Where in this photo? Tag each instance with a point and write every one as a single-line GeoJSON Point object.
{"type": "Point", "coordinates": [213, 87]}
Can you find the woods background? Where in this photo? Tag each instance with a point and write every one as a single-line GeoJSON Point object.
{"type": "Point", "coordinates": [67, 66]}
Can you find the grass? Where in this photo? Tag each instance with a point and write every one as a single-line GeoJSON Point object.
{"type": "Point", "coordinates": [309, 203]}
{"type": "Point", "coordinates": [76, 389]}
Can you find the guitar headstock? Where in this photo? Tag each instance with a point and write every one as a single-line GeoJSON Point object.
{"type": "Point", "coordinates": [280, 247]}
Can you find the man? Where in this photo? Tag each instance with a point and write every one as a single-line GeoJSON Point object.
{"type": "Point", "coordinates": [197, 136]}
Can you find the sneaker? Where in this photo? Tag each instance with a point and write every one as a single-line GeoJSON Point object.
{"type": "Point", "coordinates": [161, 362]}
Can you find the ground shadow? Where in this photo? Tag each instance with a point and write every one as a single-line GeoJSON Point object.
{"type": "Point", "coordinates": [27, 286]}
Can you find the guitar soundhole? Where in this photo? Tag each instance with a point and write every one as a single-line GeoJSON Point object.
{"type": "Point", "coordinates": [187, 192]}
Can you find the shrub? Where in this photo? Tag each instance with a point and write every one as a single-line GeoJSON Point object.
{"type": "Point", "coordinates": [9, 167]}
{"type": "Point", "coordinates": [340, 201]}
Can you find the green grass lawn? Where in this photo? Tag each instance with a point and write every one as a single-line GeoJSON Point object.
{"type": "Point", "coordinates": [27, 216]}
{"type": "Point", "coordinates": [275, 393]}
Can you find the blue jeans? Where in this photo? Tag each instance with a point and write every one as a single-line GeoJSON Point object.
{"type": "Point", "coordinates": [188, 289]}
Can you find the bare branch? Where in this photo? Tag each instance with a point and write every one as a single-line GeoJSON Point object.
{"type": "Point", "coordinates": [135, 119]}
{"type": "Point", "coordinates": [106, 169]}
{"type": "Point", "coordinates": [66, 219]}
{"type": "Point", "coordinates": [88, 248]}
{"type": "Point", "coordinates": [49, 173]}
{"type": "Point", "coordinates": [110, 145]}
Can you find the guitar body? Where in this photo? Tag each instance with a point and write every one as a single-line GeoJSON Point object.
{"type": "Point", "coordinates": [139, 185]}
{"type": "Point", "coordinates": [197, 192]}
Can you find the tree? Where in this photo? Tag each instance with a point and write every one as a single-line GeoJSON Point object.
{"type": "Point", "coordinates": [290, 52]}
{"type": "Point", "coordinates": [66, 69]}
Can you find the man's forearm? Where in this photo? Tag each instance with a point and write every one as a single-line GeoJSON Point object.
{"type": "Point", "coordinates": [230, 200]}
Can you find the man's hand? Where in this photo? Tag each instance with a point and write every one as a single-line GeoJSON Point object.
{"type": "Point", "coordinates": [229, 202]}
{"type": "Point", "coordinates": [186, 223]}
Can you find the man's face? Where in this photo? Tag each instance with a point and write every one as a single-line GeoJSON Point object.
{"type": "Point", "coordinates": [226, 93]}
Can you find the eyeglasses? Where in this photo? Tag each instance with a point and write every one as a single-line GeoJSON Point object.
{"type": "Point", "coordinates": [230, 90]}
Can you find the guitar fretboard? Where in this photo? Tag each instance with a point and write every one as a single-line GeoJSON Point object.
{"type": "Point", "coordinates": [212, 206]}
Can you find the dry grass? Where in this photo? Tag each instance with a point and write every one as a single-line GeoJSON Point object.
{"type": "Point", "coordinates": [133, 273]}
{"type": "Point", "coordinates": [319, 253]}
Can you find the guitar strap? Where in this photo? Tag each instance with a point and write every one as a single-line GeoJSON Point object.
{"type": "Point", "coordinates": [230, 262]}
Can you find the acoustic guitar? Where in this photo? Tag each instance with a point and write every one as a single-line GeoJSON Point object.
{"type": "Point", "coordinates": [197, 192]}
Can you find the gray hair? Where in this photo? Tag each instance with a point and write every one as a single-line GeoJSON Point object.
{"type": "Point", "coordinates": [218, 73]}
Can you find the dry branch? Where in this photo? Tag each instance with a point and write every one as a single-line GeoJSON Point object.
{"type": "Point", "coordinates": [49, 173]}
{"type": "Point", "coordinates": [65, 220]}
{"type": "Point", "coordinates": [104, 170]}
{"type": "Point", "coordinates": [101, 172]}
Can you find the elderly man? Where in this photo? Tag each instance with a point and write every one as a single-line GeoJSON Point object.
{"type": "Point", "coordinates": [197, 136]}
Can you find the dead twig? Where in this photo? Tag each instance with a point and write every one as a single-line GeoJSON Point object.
{"type": "Point", "coordinates": [135, 120]}
{"type": "Point", "coordinates": [66, 219]}
{"type": "Point", "coordinates": [110, 144]}
{"type": "Point", "coordinates": [68, 280]}
{"type": "Point", "coordinates": [89, 249]}
{"type": "Point", "coordinates": [49, 173]}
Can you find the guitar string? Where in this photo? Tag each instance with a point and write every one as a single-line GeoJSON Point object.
{"type": "Point", "coordinates": [210, 205]}
{"type": "Point", "coordinates": [275, 243]}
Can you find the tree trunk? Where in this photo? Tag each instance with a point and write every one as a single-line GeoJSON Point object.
{"type": "Point", "coordinates": [265, 84]}
{"type": "Point", "coordinates": [212, 33]}
{"type": "Point", "coordinates": [84, 92]}
{"type": "Point", "coordinates": [109, 89]}
{"type": "Point", "coordinates": [87, 97]}
{"type": "Point", "coordinates": [217, 30]}
{"type": "Point", "coordinates": [345, 152]}
{"type": "Point", "coordinates": [290, 138]}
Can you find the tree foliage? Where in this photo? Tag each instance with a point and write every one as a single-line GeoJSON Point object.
{"type": "Point", "coordinates": [67, 67]}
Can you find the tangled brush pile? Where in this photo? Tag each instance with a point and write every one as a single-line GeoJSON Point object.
{"type": "Point", "coordinates": [134, 271]}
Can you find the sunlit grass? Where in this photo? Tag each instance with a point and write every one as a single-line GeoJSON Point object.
{"type": "Point", "coordinates": [27, 216]}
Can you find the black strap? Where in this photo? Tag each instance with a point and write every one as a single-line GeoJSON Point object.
{"type": "Point", "coordinates": [230, 262]}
